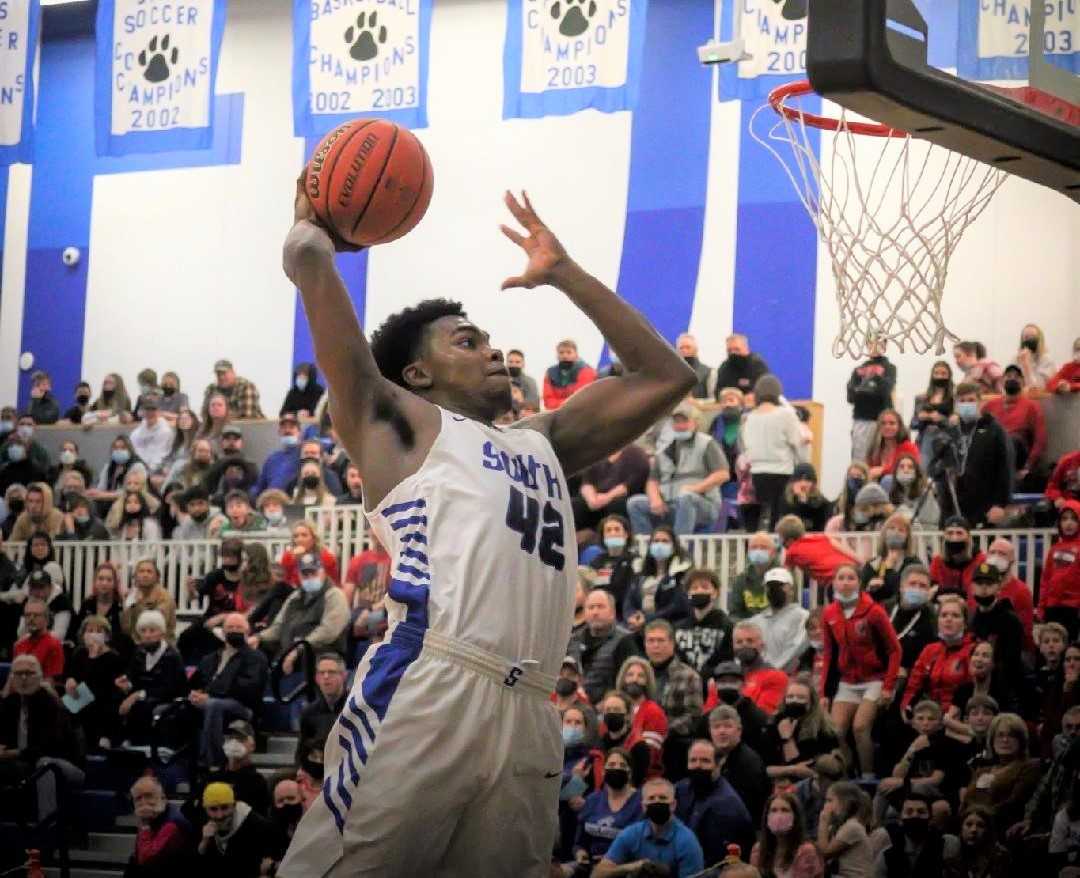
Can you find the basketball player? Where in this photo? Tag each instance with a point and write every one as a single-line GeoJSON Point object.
{"type": "Point", "coordinates": [446, 758]}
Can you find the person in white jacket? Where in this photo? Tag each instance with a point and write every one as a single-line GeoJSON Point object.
{"type": "Point", "coordinates": [783, 624]}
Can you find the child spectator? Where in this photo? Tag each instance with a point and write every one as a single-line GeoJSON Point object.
{"type": "Point", "coordinates": [1059, 592]}
{"type": "Point", "coordinates": [1067, 378]}
{"type": "Point", "coordinates": [815, 554]}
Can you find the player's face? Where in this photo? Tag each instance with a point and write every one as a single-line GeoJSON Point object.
{"type": "Point", "coordinates": [460, 362]}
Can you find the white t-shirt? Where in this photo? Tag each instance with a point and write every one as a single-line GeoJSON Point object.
{"type": "Point", "coordinates": [1065, 836]}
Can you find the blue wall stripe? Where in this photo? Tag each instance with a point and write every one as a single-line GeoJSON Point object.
{"type": "Point", "coordinates": [669, 167]}
{"type": "Point", "coordinates": [5, 173]}
{"type": "Point", "coordinates": [775, 264]}
{"type": "Point", "coordinates": [65, 164]}
{"type": "Point", "coordinates": [353, 269]}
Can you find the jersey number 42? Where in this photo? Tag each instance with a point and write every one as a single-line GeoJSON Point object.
{"type": "Point", "coordinates": [523, 515]}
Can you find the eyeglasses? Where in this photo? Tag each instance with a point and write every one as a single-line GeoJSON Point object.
{"type": "Point", "coordinates": [24, 674]}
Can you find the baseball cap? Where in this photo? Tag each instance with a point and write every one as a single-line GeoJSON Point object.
{"type": "Point", "coordinates": [573, 662]}
{"type": "Point", "coordinates": [986, 573]}
{"type": "Point", "coordinates": [779, 574]}
{"type": "Point", "coordinates": [39, 579]}
{"type": "Point", "coordinates": [956, 521]}
{"type": "Point", "coordinates": [239, 728]}
{"type": "Point", "coordinates": [309, 562]}
{"type": "Point", "coordinates": [729, 669]}
{"type": "Point", "coordinates": [804, 471]}
{"type": "Point", "coordinates": [223, 365]}
{"type": "Point", "coordinates": [232, 430]}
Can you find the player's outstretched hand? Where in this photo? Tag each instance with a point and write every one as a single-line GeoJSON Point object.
{"type": "Point", "coordinates": [546, 254]}
{"type": "Point", "coordinates": [303, 212]}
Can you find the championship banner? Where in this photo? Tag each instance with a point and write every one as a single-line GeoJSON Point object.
{"type": "Point", "coordinates": [774, 35]}
{"type": "Point", "coordinates": [21, 24]}
{"type": "Point", "coordinates": [993, 37]}
{"type": "Point", "coordinates": [156, 66]}
{"type": "Point", "coordinates": [562, 56]}
{"type": "Point", "coordinates": [359, 58]}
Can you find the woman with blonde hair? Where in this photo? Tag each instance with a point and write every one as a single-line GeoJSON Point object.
{"type": "Point", "coordinates": [113, 403]}
{"type": "Point", "coordinates": [310, 488]}
{"type": "Point", "coordinates": [1007, 783]}
{"type": "Point", "coordinates": [1036, 365]}
{"type": "Point", "coordinates": [305, 540]}
{"type": "Point", "coordinates": [215, 418]}
{"type": "Point", "coordinates": [880, 576]}
{"type": "Point", "coordinates": [636, 681]}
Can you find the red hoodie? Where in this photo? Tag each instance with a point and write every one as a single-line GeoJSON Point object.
{"type": "Point", "coordinates": [939, 670]}
{"type": "Point", "coordinates": [952, 580]}
{"type": "Point", "coordinates": [1021, 417]}
{"type": "Point", "coordinates": [1068, 374]}
{"type": "Point", "coordinates": [1061, 574]}
{"type": "Point", "coordinates": [855, 645]}
{"type": "Point", "coordinates": [1065, 479]}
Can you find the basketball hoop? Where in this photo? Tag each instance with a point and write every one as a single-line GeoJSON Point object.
{"type": "Point", "coordinates": [891, 221]}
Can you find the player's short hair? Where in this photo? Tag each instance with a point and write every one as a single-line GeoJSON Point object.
{"type": "Point", "coordinates": [397, 342]}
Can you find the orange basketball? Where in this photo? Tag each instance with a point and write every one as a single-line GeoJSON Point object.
{"type": "Point", "coordinates": [370, 181]}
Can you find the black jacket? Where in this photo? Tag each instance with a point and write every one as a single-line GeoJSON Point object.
{"type": "Point", "coordinates": [915, 628]}
{"type": "Point", "coordinates": [985, 474]}
{"type": "Point", "coordinates": [597, 657]}
{"type": "Point", "coordinates": [1002, 627]}
{"type": "Point", "coordinates": [165, 681]}
{"type": "Point", "coordinates": [870, 388]}
{"type": "Point", "coordinates": [243, 677]}
{"type": "Point", "coordinates": [929, 861]}
{"type": "Point", "coordinates": [50, 732]}
{"type": "Point", "coordinates": [316, 720]}
{"type": "Point", "coordinates": [256, 839]}
{"type": "Point", "coordinates": [814, 513]}
{"type": "Point", "coordinates": [745, 771]}
{"type": "Point", "coordinates": [740, 372]}
{"type": "Point", "coordinates": [297, 400]}
{"type": "Point", "coordinates": [45, 410]}
{"type": "Point", "coordinates": [704, 643]}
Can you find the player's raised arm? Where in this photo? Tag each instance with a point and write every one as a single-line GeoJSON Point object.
{"type": "Point", "coordinates": [386, 430]}
{"type": "Point", "coordinates": [610, 413]}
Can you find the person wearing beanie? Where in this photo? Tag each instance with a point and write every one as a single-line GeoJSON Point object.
{"type": "Point", "coordinates": [1059, 591]}
{"type": "Point", "coordinates": [1002, 554]}
{"type": "Point", "coordinates": [952, 570]}
{"type": "Point", "coordinates": [869, 391]}
{"type": "Point", "coordinates": [1024, 423]}
{"type": "Point", "coordinates": [774, 446]}
{"type": "Point", "coordinates": [803, 497]}
{"type": "Point", "coordinates": [235, 839]}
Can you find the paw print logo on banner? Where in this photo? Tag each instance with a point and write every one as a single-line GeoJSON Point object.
{"type": "Point", "coordinates": [793, 9]}
{"type": "Point", "coordinates": [365, 38]}
{"type": "Point", "coordinates": [156, 58]}
{"type": "Point", "coordinates": [574, 15]}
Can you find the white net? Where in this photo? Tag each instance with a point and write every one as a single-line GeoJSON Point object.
{"type": "Point", "coordinates": [891, 211]}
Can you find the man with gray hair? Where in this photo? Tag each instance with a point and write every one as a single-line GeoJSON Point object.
{"type": "Point", "coordinates": [594, 646]}
{"type": "Point", "coordinates": [739, 765]}
{"type": "Point", "coordinates": [38, 641]}
{"type": "Point", "coordinates": [687, 347]}
{"type": "Point", "coordinates": [155, 676]}
{"type": "Point", "coordinates": [741, 369]}
{"type": "Point", "coordinates": [659, 840]}
{"type": "Point", "coordinates": [35, 730]}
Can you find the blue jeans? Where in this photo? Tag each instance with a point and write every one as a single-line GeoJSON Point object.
{"type": "Point", "coordinates": [685, 514]}
{"type": "Point", "coordinates": [217, 713]}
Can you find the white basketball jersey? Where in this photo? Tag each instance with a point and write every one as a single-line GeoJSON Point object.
{"type": "Point", "coordinates": [483, 544]}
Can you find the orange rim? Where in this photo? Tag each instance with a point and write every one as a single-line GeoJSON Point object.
{"type": "Point", "coordinates": [779, 96]}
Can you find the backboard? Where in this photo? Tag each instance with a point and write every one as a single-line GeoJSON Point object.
{"type": "Point", "coordinates": [1013, 101]}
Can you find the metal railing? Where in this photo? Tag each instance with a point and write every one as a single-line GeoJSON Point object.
{"type": "Point", "coordinates": [343, 531]}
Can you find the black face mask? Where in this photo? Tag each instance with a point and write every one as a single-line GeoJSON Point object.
{"type": "Point", "coordinates": [916, 827]}
{"type": "Point", "coordinates": [985, 600]}
{"type": "Point", "coordinates": [82, 399]}
{"type": "Point", "coordinates": [313, 768]}
{"type": "Point", "coordinates": [310, 481]}
{"type": "Point", "coordinates": [201, 517]}
{"type": "Point", "coordinates": [1012, 387]}
{"type": "Point", "coordinates": [616, 778]}
{"type": "Point", "coordinates": [701, 779]}
{"type": "Point", "coordinates": [738, 359]}
{"type": "Point", "coordinates": [515, 371]}
{"type": "Point", "coordinates": [565, 367]}
{"type": "Point", "coordinates": [747, 655]}
{"type": "Point", "coordinates": [795, 709]}
{"type": "Point", "coordinates": [853, 487]}
{"type": "Point", "coordinates": [615, 722]}
{"type": "Point", "coordinates": [235, 639]}
{"type": "Point", "coordinates": [700, 600]}
{"type": "Point", "coordinates": [168, 391]}
{"type": "Point", "coordinates": [690, 361]}
{"type": "Point", "coordinates": [230, 568]}
{"type": "Point", "coordinates": [1032, 344]}
{"type": "Point", "coordinates": [634, 690]}
{"type": "Point", "coordinates": [565, 687]}
{"type": "Point", "coordinates": [289, 815]}
{"type": "Point", "coordinates": [941, 382]}
{"type": "Point", "coordinates": [957, 550]}
{"type": "Point", "coordinates": [728, 694]}
{"type": "Point", "coordinates": [774, 591]}
{"type": "Point", "coordinates": [731, 414]}
{"type": "Point", "coordinates": [658, 812]}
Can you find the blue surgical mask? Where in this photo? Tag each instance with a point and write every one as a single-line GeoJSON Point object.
{"type": "Point", "coordinates": [682, 435]}
{"type": "Point", "coordinates": [661, 551]}
{"type": "Point", "coordinates": [967, 411]}
{"type": "Point", "coordinates": [301, 382]}
{"type": "Point", "coordinates": [290, 441]}
{"type": "Point", "coordinates": [311, 584]}
{"type": "Point", "coordinates": [7, 426]}
{"type": "Point", "coordinates": [16, 453]}
{"type": "Point", "coordinates": [914, 597]}
{"type": "Point", "coordinates": [758, 557]}
{"type": "Point", "coordinates": [614, 544]}
{"type": "Point", "coordinates": [25, 431]}
{"type": "Point", "coordinates": [848, 600]}
{"type": "Point", "coordinates": [572, 735]}
{"type": "Point", "coordinates": [121, 456]}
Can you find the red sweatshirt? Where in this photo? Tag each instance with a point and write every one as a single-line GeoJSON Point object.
{"type": "Point", "coordinates": [1060, 585]}
{"type": "Point", "coordinates": [953, 580]}
{"type": "Point", "coordinates": [888, 462]}
{"type": "Point", "coordinates": [817, 555]}
{"type": "Point", "coordinates": [47, 649]}
{"type": "Point", "coordinates": [766, 687]}
{"type": "Point", "coordinates": [853, 645]}
{"type": "Point", "coordinates": [1065, 479]}
{"type": "Point", "coordinates": [648, 724]}
{"type": "Point", "coordinates": [555, 396]}
{"type": "Point", "coordinates": [1019, 595]}
{"type": "Point", "coordinates": [1021, 417]}
{"type": "Point", "coordinates": [939, 670]}
{"type": "Point", "coordinates": [1068, 374]}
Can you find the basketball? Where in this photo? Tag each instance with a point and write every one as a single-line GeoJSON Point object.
{"type": "Point", "coordinates": [370, 181]}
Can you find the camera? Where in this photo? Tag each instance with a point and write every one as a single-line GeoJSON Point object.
{"type": "Point", "coordinates": [71, 256]}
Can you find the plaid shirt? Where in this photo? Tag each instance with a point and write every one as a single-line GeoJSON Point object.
{"type": "Point", "coordinates": [243, 402]}
{"type": "Point", "coordinates": [681, 697]}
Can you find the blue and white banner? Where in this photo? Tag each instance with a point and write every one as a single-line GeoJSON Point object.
{"type": "Point", "coordinates": [20, 24]}
{"type": "Point", "coordinates": [156, 67]}
{"type": "Point", "coordinates": [993, 38]}
{"type": "Point", "coordinates": [359, 58]}
{"type": "Point", "coordinates": [562, 56]}
{"type": "Point", "coordinates": [774, 35]}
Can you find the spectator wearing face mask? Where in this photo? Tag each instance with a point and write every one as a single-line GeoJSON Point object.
{"type": "Point", "coordinates": [741, 369]}
{"type": "Point", "coordinates": [942, 666]}
{"type": "Point", "coordinates": [95, 665]}
{"type": "Point", "coordinates": [658, 590]}
{"type": "Point", "coordinates": [1067, 378]}
{"type": "Point", "coordinates": [726, 687]}
{"type": "Point", "coordinates": [704, 638]}
{"type": "Point", "coordinates": [515, 365]}
{"type": "Point", "coordinates": [1059, 591]}
{"type": "Point", "coordinates": [763, 684]}
{"type": "Point", "coordinates": [568, 690]}
{"type": "Point", "coordinates": [953, 569]}
{"type": "Point", "coordinates": [996, 621]}
{"type": "Point", "coordinates": [1057, 783]}
{"type": "Point", "coordinates": [113, 404]}
{"type": "Point", "coordinates": [271, 505]}
{"type": "Point", "coordinates": [228, 684]}
{"type": "Point", "coordinates": [280, 468]}
{"type": "Point", "coordinates": [912, 845]}
{"type": "Point", "coordinates": [869, 392]}
{"type": "Point", "coordinates": [236, 838]}
{"type": "Point", "coordinates": [800, 732]}
{"type": "Point", "coordinates": [912, 616]}
{"type": "Point", "coordinates": [646, 723]}
{"type": "Point", "coordinates": [981, 459]}
{"type": "Point", "coordinates": [18, 466]}
{"type": "Point", "coordinates": [783, 624]}
{"type": "Point", "coordinates": [305, 392]}
{"type": "Point", "coordinates": [172, 401]}
{"type": "Point", "coordinates": [909, 495]}
{"type": "Point", "coordinates": [1002, 554]}
{"type": "Point", "coordinates": [747, 595]}
{"type": "Point", "coordinates": [614, 566]}
{"type": "Point", "coordinates": [606, 812]}
{"type": "Point", "coordinates": [219, 588]}
{"type": "Point", "coordinates": [710, 807]}
{"type": "Point", "coordinates": [803, 498]}
{"type": "Point", "coordinates": [155, 677]}
{"type": "Point", "coordinates": [880, 576]}
{"type": "Point", "coordinates": [581, 770]}
{"type": "Point", "coordinates": [933, 408]}
{"type": "Point", "coordinates": [569, 374]}
{"type": "Point", "coordinates": [869, 511]}
{"type": "Point", "coordinates": [110, 482]}
{"type": "Point", "coordinates": [1036, 365]}
{"type": "Point", "coordinates": [68, 462]}
{"type": "Point", "coordinates": [310, 489]}
{"type": "Point", "coordinates": [199, 516]}
{"type": "Point", "coordinates": [75, 414]}
{"type": "Point", "coordinates": [1024, 423]}
{"type": "Point", "coordinates": [287, 807]}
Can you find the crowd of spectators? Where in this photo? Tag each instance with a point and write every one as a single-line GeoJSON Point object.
{"type": "Point", "coordinates": [924, 717]}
